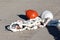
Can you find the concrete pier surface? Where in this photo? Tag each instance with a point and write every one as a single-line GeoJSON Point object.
{"type": "Point", "coordinates": [12, 10]}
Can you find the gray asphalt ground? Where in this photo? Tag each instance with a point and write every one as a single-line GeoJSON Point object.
{"type": "Point", "coordinates": [10, 9]}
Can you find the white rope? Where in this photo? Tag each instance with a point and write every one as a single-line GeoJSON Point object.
{"type": "Point", "coordinates": [29, 24]}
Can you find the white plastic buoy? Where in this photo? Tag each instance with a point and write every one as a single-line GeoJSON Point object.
{"type": "Point", "coordinates": [47, 14]}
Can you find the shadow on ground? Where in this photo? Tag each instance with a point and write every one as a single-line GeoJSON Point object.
{"type": "Point", "coordinates": [53, 30]}
{"type": "Point", "coordinates": [7, 28]}
{"type": "Point", "coordinates": [22, 16]}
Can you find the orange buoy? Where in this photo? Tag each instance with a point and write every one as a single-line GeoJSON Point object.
{"type": "Point", "coordinates": [31, 14]}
